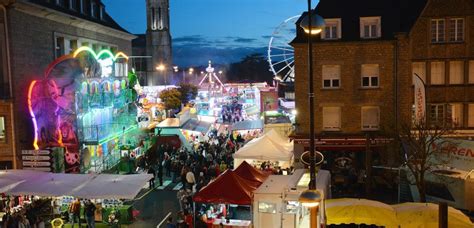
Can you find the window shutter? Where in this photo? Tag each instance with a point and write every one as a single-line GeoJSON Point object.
{"type": "Point", "coordinates": [370, 118]}
{"type": "Point", "coordinates": [457, 115]}
{"type": "Point", "coordinates": [369, 70]}
{"type": "Point", "coordinates": [331, 118]}
{"type": "Point", "coordinates": [456, 72]}
{"type": "Point", "coordinates": [437, 73]}
{"type": "Point", "coordinates": [471, 72]}
{"type": "Point", "coordinates": [470, 119]}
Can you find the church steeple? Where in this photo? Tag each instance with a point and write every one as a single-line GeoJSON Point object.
{"type": "Point", "coordinates": [158, 42]}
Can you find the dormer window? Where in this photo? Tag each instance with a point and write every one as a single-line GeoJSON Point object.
{"type": "Point", "coordinates": [332, 31]}
{"type": "Point", "coordinates": [93, 9]}
{"type": "Point", "coordinates": [101, 12]}
{"type": "Point", "coordinates": [370, 27]}
{"type": "Point", "coordinates": [73, 4]}
{"type": "Point", "coordinates": [60, 3]}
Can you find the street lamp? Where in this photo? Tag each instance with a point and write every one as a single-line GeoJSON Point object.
{"type": "Point", "coordinates": [312, 24]}
{"type": "Point", "coordinates": [161, 68]}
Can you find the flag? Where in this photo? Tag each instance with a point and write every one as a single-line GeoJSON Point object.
{"type": "Point", "coordinates": [420, 99]}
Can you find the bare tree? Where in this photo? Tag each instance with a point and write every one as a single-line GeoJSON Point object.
{"type": "Point", "coordinates": [423, 150]}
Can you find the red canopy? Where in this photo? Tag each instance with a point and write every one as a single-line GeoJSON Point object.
{"type": "Point", "coordinates": [248, 172]}
{"type": "Point", "coordinates": [227, 188]}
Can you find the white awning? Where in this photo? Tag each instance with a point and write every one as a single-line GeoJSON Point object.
{"type": "Point", "coordinates": [99, 186]}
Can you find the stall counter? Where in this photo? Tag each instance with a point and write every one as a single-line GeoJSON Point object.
{"type": "Point", "coordinates": [232, 223]}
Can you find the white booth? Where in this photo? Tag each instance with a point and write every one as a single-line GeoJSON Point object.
{"type": "Point", "coordinates": [275, 202]}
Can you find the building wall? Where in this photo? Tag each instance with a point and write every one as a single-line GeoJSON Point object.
{"type": "Point", "coordinates": [6, 146]}
{"type": "Point", "coordinates": [421, 49]}
{"type": "Point", "coordinates": [32, 43]}
{"type": "Point", "coordinates": [350, 96]}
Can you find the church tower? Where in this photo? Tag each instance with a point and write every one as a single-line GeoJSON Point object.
{"type": "Point", "coordinates": [158, 43]}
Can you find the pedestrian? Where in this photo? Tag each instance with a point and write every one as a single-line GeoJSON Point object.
{"type": "Point", "coordinates": [75, 212]}
{"type": "Point", "coordinates": [169, 223]}
{"type": "Point", "coordinates": [160, 173]}
{"type": "Point", "coordinates": [152, 180]}
{"type": "Point", "coordinates": [89, 213]}
{"type": "Point", "coordinates": [190, 179]}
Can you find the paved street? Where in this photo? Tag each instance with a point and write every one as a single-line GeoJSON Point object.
{"type": "Point", "coordinates": [155, 204]}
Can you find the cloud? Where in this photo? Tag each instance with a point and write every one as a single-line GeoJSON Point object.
{"type": "Point", "coordinates": [244, 40]}
{"type": "Point", "coordinates": [186, 39]}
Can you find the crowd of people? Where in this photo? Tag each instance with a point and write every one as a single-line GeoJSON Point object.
{"type": "Point", "coordinates": [232, 113]}
{"type": "Point", "coordinates": [24, 215]}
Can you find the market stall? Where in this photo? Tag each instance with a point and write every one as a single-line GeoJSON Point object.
{"type": "Point", "coordinates": [269, 148]}
{"type": "Point", "coordinates": [227, 188]}
{"type": "Point", "coordinates": [275, 202]}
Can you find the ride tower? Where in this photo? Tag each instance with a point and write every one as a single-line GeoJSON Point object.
{"type": "Point", "coordinates": [158, 43]}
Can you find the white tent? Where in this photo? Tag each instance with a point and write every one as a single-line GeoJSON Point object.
{"type": "Point", "coordinates": [101, 186]}
{"type": "Point", "coordinates": [269, 147]}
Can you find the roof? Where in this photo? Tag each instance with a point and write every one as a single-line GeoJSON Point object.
{"type": "Point", "coordinates": [227, 188]}
{"type": "Point", "coordinates": [100, 186]}
{"type": "Point", "coordinates": [169, 123]}
{"type": "Point", "coordinates": [396, 15]}
{"type": "Point", "coordinates": [197, 125]}
{"type": "Point", "coordinates": [247, 125]}
{"type": "Point", "coordinates": [107, 20]}
{"type": "Point", "coordinates": [274, 184]}
{"type": "Point", "coordinates": [248, 172]}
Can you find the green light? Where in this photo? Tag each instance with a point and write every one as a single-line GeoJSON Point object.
{"type": "Point", "coordinates": [116, 135]}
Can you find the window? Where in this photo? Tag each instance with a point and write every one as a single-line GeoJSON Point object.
{"type": "Point", "coordinates": [290, 95]}
{"type": "Point", "coordinates": [456, 115]}
{"type": "Point", "coordinates": [370, 27]}
{"type": "Point", "coordinates": [456, 29]}
{"type": "Point", "coordinates": [267, 207]}
{"type": "Point", "coordinates": [93, 9]}
{"type": "Point", "coordinates": [60, 49]}
{"type": "Point", "coordinates": [81, 6]}
{"type": "Point", "coordinates": [471, 72]}
{"type": "Point", "coordinates": [439, 114]}
{"type": "Point", "coordinates": [331, 76]}
{"type": "Point", "coordinates": [72, 45]}
{"type": "Point", "coordinates": [101, 13]}
{"type": "Point", "coordinates": [456, 72]}
{"type": "Point", "coordinates": [370, 75]}
{"type": "Point", "coordinates": [419, 68]}
{"type": "Point", "coordinates": [331, 118]}
{"type": "Point", "coordinates": [95, 47]}
{"type": "Point", "coordinates": [332, 30]}
{"type": "Point", "coordinates": [73, 4]}
{"type": "Point", "coordinates": [370, 118]}
{"type": "Point", "coordinates": [437, 30]}
{"type": "Point", "coordinates": [3, 133]}
{"type": "Point", "coordinates": [437, 73]}
{"type": "Point", "coordinates": [470, 119]}
{"type": "Point", "coordinates": [60, 3]}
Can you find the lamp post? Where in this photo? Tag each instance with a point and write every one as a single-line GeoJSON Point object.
{"type": "Point", "coordinates": [312, 25]}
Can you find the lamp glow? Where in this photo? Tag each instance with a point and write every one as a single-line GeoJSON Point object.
{"type": "Point", "coordinates": [310, 198]}
{"type": "Point", "coordinates": [160, 67]}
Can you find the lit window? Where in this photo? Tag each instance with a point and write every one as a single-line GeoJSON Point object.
{"type": "Point", "coordinates": [437, 30]}
{"type": "Point", "coordinates": [331, 76]}
{"type": "Point", "coordinates": [419, 68]}
{"type": "Point", "coordinates": [437, 73]}
{"type": "Point", "coordinates": [456, 115]}
{"type": "Point", "coordinates": [332, 29]}
{"type": "Point", "coordinates": [456, 29]}
{"type": "Point", "coordinates": [370, 27]}
{"type": "Point", "coordinates": [332, 118]}
{"type": "Point", "coordinates": [471, 72]}
{"type": "Point", "coordinates": [470, 122]}
{"type": "Point", "coordinates": [456, 72]}
{"type": "Point", "coordinates": [370, 75]}
{"type": "Point", "coordinates": [3, 133]}
{"type": "Point", "coordinates": [438, 114]}
{"type": "Point", "coordinates": [370, 118]}
{"type": "Point", "coordinates": [267, 207]}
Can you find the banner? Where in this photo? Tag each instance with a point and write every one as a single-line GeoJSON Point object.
{"type": "Point", "coordinates": [420, 99]}
{"type": "Point", "coordinates": [460, 153]}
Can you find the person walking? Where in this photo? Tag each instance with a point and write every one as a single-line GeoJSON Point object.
{"type": "Point", "coordinates": [160, 173]}
{"type": "Point", "coordinates": [190, 179]}
{"type": "Point", "coordinates": [89, 213]}
{"type": "Point", "coordinates": [169, 223]}
{"type": "Point", "coordinates": [152, 180]}
{"type": "Point", "coordinates": [75, 212]}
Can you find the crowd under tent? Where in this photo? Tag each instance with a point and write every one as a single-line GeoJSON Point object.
{"type": "Point", "coordinates": [268, 147]}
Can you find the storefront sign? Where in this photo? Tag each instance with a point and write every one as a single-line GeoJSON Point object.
{"type": "Point", "coordinates": [459, 152]}
{"type": "Point", "coordinates": [35, 158]}
{"type": "Point", "coordinates": [36, 164]}
{"type": "Point", "coordinates": [35, 152]}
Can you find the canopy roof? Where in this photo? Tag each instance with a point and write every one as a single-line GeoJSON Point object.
{"type": "Point", "coordinates": [248, 172]}
{"type": "Point", "coordinates": [247, 125]}
{"type": "Point", "coordinates": [270, 146]}
{"type": "Point", "coordinates": [227, 188]}
{"type": "Point", "coordinates": [197, 125]}
{"type": "Point", "coordinates": [101, 186]}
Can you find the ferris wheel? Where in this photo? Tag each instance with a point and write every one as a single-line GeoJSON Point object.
{"type": "Point", "coordinates": [280, 53]}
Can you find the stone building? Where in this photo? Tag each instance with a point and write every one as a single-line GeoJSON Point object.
{"type": "Point", "coordinates": [33, 33]}
{"type": "Point", "coordinates": [363, 62]}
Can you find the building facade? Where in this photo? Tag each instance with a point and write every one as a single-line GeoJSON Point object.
{"type": "Point", "coordinates": [37, 32]}
{"type": "Point", "coordinates": [363, 65]}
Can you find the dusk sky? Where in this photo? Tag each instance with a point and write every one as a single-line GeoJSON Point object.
{"type": "Point", "coordinates": [221, 30]}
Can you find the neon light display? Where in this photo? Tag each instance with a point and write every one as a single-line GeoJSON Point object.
{"type": "Point", "coordinates": [90, 98]}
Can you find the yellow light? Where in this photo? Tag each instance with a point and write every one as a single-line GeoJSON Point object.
{"type": "Point", "coordinates": [160, 67]}
{"type": "Point", "coordinates": [313, 31]}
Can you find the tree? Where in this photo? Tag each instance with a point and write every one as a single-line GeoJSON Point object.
{"type": "Point", "coordinates": [252, 68]}
{"type": "Point", "coordinates": [188, 92]}
{"type": "Point", "coordinates": [171, 98]}
{"type": "Point", "coordinates": [423, 146]}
